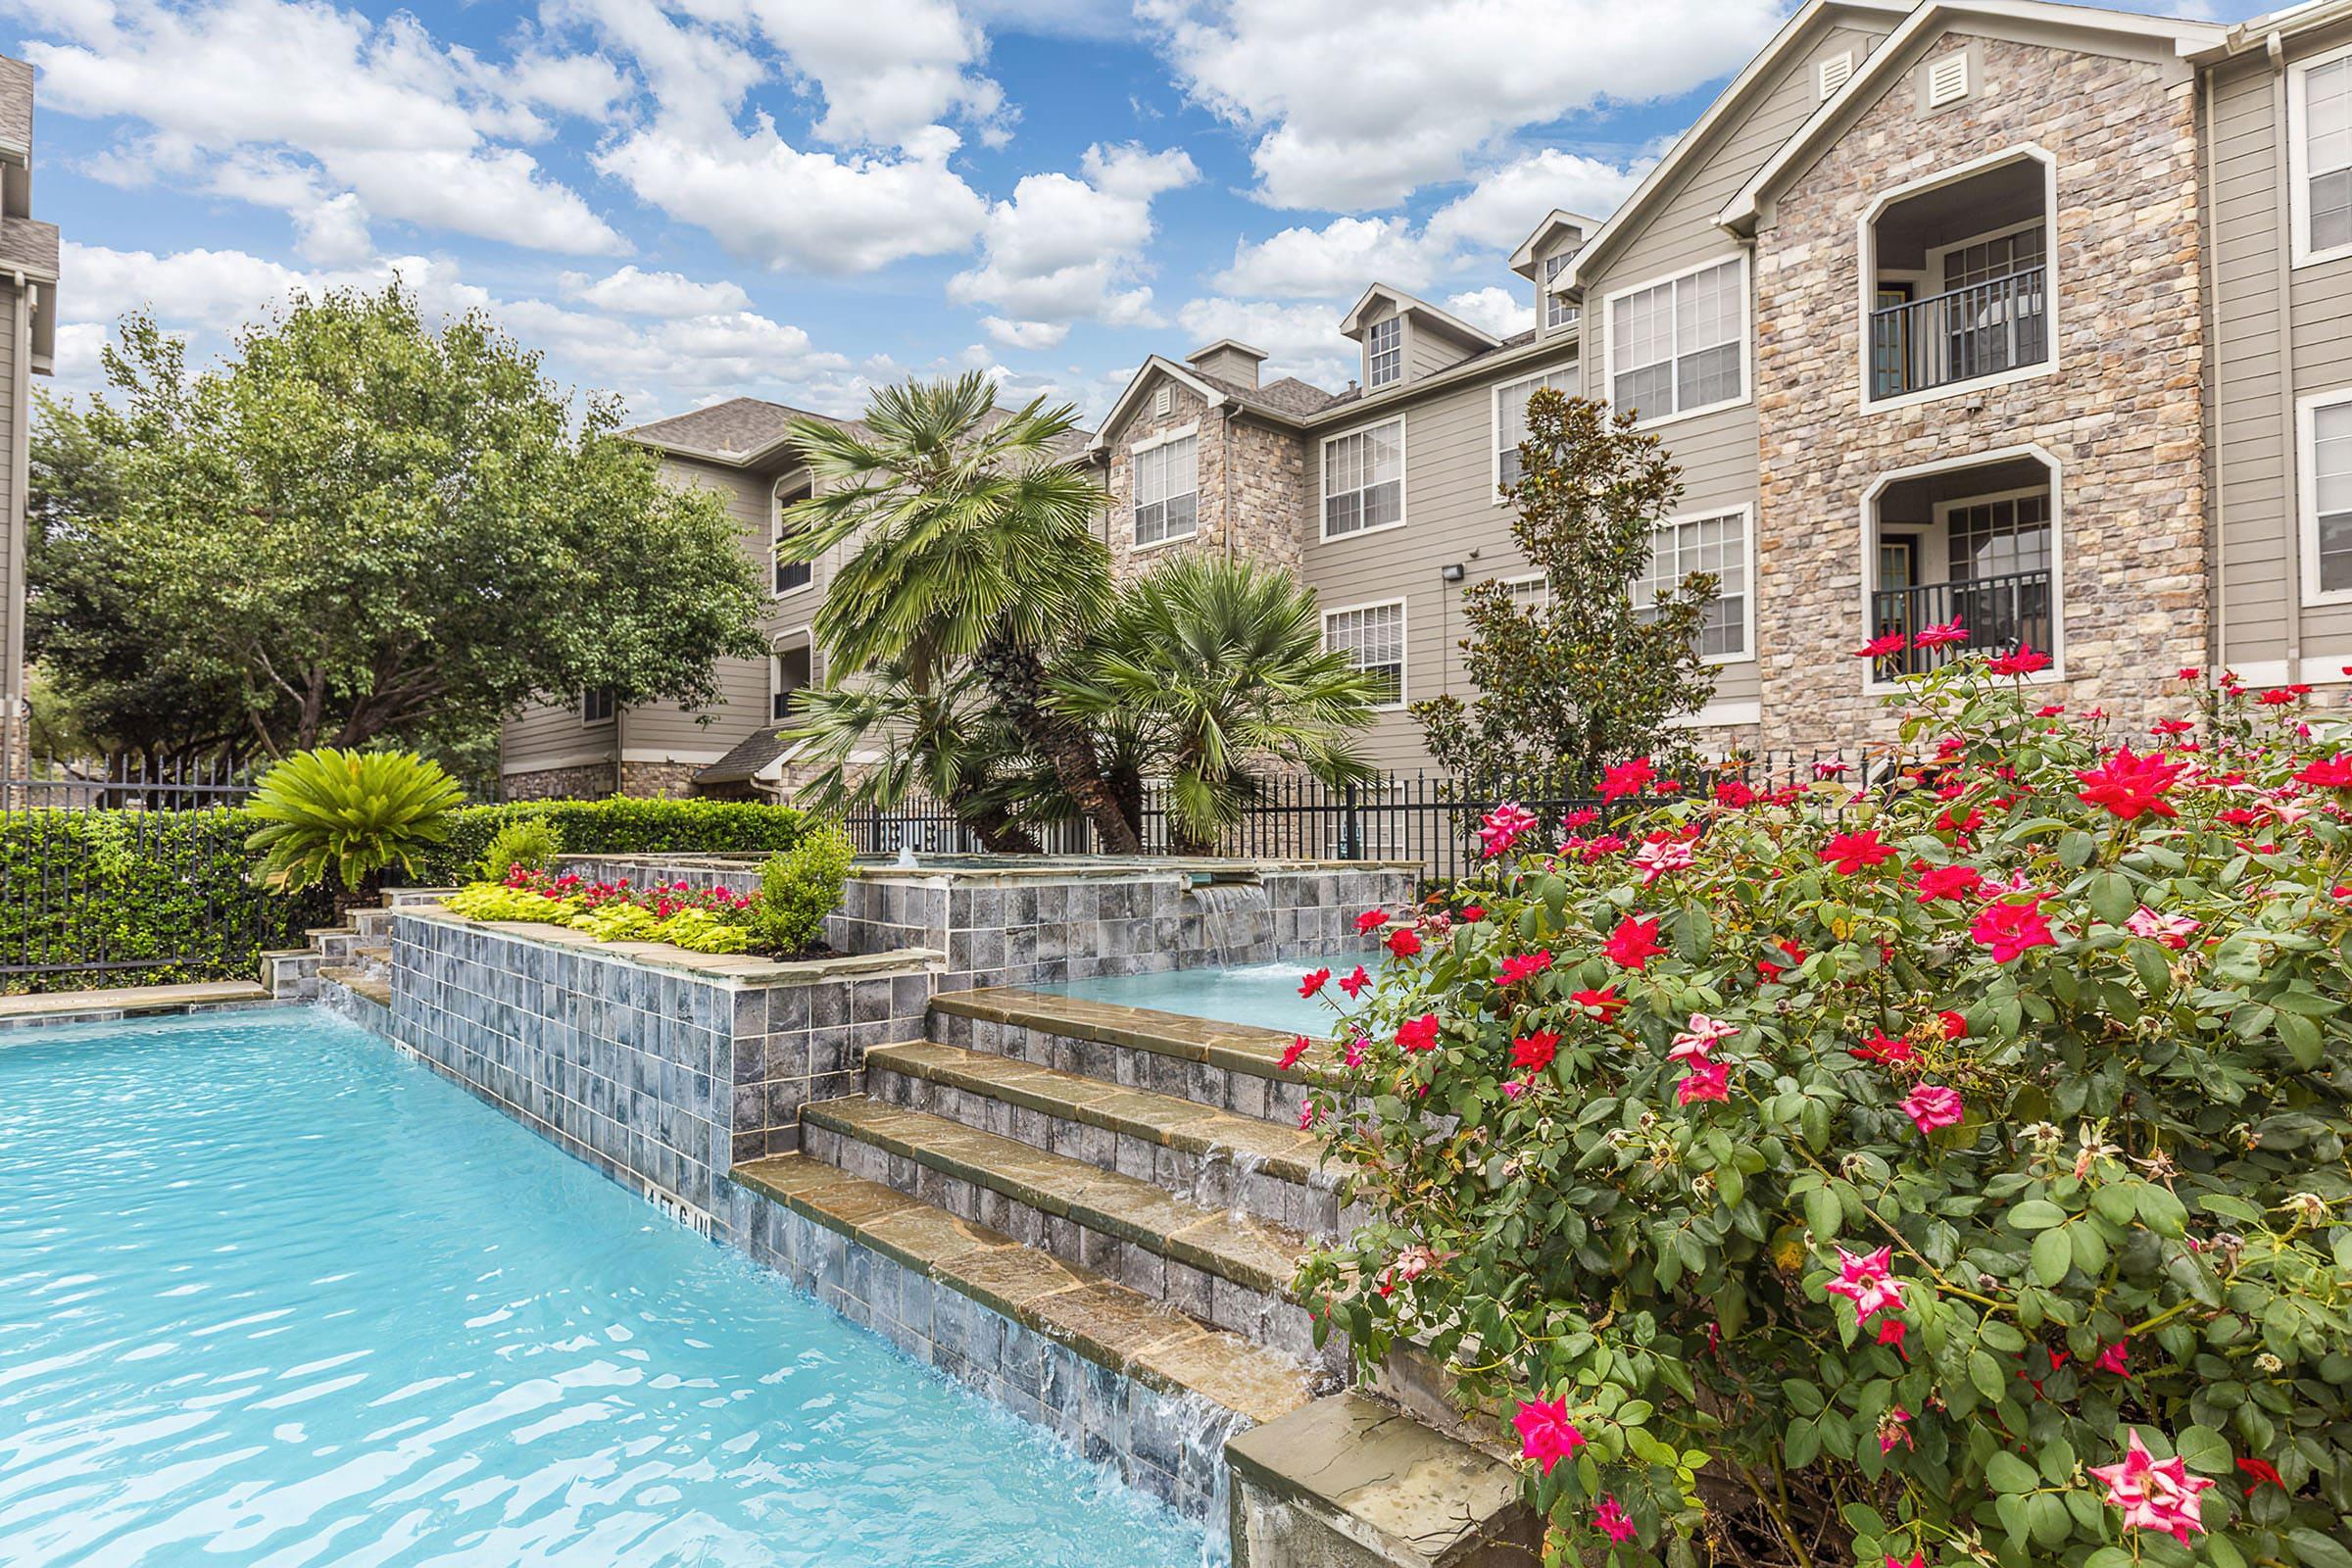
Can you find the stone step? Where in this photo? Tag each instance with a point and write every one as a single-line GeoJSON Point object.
{"type": "Point", "coordinates": [288, 974]}
{"type": "Point", "coordinates": [1231, 1271]}
{"type": "Point", "coordinates": [358, 982]}
{"type": "Point", "coordinates": [333, 942]}
{"type": "Point", "coordinates": [402, 898]}
{"type": "Point", "coordinates": [1215, 1158]}
{"type": "Point", "coordinates": [373, 925]}
{"type": "Point", "coordinates": [1228, 1066]}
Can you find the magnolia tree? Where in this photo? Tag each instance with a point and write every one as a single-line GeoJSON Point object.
{"type": "Point", "coordinates": [1949, 1169]}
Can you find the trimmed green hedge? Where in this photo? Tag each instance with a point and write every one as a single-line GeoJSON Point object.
{"type": "Point", "coordinates": [622, 825]}
{"type": "Point", "coordinates": [160, 898]}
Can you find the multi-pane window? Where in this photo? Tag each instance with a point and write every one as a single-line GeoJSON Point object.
{"type": "Point", "coordinates": [1676, 346]}
{"type": "Point", "coordinates": [1529, 593]}
{"type": "Point", "coordinates": [1558, 309]}
{"type": "Point", "coordinates": [596, 705]}
{"type": "Point", "coordinates": [1981, 261]}
{"type": "Point", "coordinates": [1168, 491]}
{"type": "Point", "coordinates": [1363, 480]}
{"type": "Point", "coordinates": [2330, 461]}
{"type": "Point", "coordinates": [790, 575]}
{"type": "Point", "coordinates": [1511, 418]}
{"type": "Point", "coordinates": [1384, 351]}
{"type": "Point", "coordinates": [2328, 155]}
{"type": "Point", "coordinates": [1372, 637]}
{"type": "Point", "coordinates": [1717, 545]}
{"type": "Point", "coordinates": [1998, 538]}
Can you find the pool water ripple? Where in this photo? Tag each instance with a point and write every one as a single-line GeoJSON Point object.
{"type": "Point", "coordinates": [270, 1295]}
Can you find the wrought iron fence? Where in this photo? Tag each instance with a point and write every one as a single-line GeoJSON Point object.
{"type": "Point", "coordinates": [122, 872]}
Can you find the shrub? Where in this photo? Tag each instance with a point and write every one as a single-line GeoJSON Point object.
{"type": "Point", "coordinates": [701, 920]}
{"type": "Point", "coordinates": [620, 826]}
{"type": "Point", "coordinates": [799, 888]}
{"type": "Point", "coordinates": [1950, 1171]}
{"type": "Point", "coordinates": [350, 813]}
{"type": "Point", "coordinates": [533, 844]}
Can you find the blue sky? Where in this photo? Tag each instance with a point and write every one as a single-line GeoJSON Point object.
{"type": "Point", "coordinates": [685, 200]}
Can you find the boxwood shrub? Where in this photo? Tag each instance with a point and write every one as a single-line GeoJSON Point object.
{"type": "Point", "coordinates": [620, 826]}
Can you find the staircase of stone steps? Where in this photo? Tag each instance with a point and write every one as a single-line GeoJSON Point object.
{"type": "Point", "coordinates": [354, 959]}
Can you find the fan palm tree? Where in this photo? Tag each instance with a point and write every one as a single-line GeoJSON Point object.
{"type": "Point", "coordinates": [1219, 666]}
{"type": "Point", "coordinates": [976, 544]}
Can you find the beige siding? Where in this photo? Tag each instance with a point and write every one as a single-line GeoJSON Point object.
{"type": "Point", "coordinates": [549, 736]}
{"type": "Point", "coordinates": [2272, 347]}
{"type": "Point", "coordinates": [1427, 351]}
{"type": "Point", "coordinates": [11, 516]}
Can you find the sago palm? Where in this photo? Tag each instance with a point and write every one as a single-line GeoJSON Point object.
{"type": "Point", "coordinates": [350, 813]}
{"type": "Point", "coordinates": [1219, 666]}
{"type": "Point", "coordinates": [974, 542]}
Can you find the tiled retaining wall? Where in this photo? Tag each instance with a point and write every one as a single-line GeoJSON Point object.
{"type": "Point", "coordinates": [656, 1074]}
{"type": "Point", "coordinates": [1171, 1447]}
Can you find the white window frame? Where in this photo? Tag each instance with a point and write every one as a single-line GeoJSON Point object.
{"type": "Point", "coordinates": [580, 707]}
{"type": "Point", "coordinates": [776, 524]}
{"type": "Point", "coordinates": [1565, 367]}
{"type": "Point", "coordinates": [1405, 482]}
{"type": "Point", "coordinates": [1747, 339]}
{"type": "Point", "coordinates": [1940, 257]}
{"type": "Point", "coordinates": [2307, 493]}
{"type": "Point", "coordinates": [782, 643]}
{"type": "Point", "coordinates": [1191, 432]}
{"type": "Point", "coordinates": [1372, 356]}
{"type": "Point", "coordinates": [1745, 512]}
{"type": "Point", "coordinates": [1521, 580]}
{"type": "Point", "coordinates": [1867, 551]}
{"type": "Point", "coordinates": [1556, 301]}
{"type": "Point", "coordinates": [1404, 644]}
{"type": "Point", "coordinates": [2298, 172]}
{"type": "Point", "coordinates": [1866, 246]}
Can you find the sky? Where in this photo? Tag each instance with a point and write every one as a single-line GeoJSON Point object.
{"type": "Point", "coordinates": [799, 200]}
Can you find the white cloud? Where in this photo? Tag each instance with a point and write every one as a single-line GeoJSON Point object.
{"type": "Point", "coordinates": [1300, 340]}
{"type": "Point", "coordinates": [1024, 335]}
{"type": "Point", "coordinates": [1499, 309]}
{"type": "Point", "coordinates": [1066, 249]}
{"type": "Point", "coordinates": [1345, 256]}
{"type": "Point", "coordinates": [888, 69]}
{"type": "Point", "coordinates": [630, 292]}
{"type": "Point", "coordinates": [1357, 103]}
{"type": "Point", "coordinates": [411, 127]}
{"type": "Point", "coordinates": [1508, 202]}
{"type": "Point", "coordinates": [764, 200]}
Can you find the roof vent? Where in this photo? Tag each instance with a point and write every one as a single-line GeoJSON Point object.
{"type": "Point", "coordinates": [1834, 72]}
{"type": "Point", "coordinates": [1163, 401]}
{"type": "Point", "coordinates": [1947, 79]}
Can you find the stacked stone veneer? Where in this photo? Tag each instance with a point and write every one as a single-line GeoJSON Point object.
{"type": "Point", "coordinates": [589, 781]}
{"type": "Point", "coordinates": [2120, 415]}
{"type": "Point", "coordinates": [658, 1072]}
{"type": "Point", "coordinates": [1253, 483]}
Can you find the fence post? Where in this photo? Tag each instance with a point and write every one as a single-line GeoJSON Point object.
{"type": "Point", "coordinates": [1351, 839]}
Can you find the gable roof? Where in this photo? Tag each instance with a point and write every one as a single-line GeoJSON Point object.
{"type": "Point", "coordinates": [1523, 260]}
{"type": "Point", "coordinates": [1414, 305]}
{"type": "Point", "coordinates": [1898, 51]}
{"type": "Point", "coordinates": [737, 433]}
{"type": "Point", "coordinates": [1735, 96]}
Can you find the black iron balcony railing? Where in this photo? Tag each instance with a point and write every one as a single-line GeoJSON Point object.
{"type": "Point", "coordinates": [2001, 616]}
{"type": "Point", "coordinates": [1979, 331]}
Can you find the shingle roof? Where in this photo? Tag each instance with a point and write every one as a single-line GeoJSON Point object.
{"type": "Point", "coordinates": [742, 426]}
{"type": "Point", "coordinates": [746, 758]}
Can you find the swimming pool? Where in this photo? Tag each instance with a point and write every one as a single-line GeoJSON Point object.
{"type": "Point", "coordinates": [270, 1295]}
{"type": "Point", "coordinates": [1265, 995]}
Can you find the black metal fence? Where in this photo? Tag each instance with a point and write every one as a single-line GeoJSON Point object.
{"type": "Point", "coordinates": [121, 873]}
{"type": "Point", "coordinates": [1429, 819]}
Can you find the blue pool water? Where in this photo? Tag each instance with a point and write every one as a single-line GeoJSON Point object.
{"type": "Point", "coordinates": [1265, 995]}
{"type": "Point", "coordinates": [270, 1295]}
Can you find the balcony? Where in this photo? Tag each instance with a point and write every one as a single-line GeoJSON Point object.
{"type": "Point", "coordinates": [1973, 543]}
{"type": "Point", "coordinates": [1959, 335]}
{"type": "Point", "coordinates": [2000, 614]}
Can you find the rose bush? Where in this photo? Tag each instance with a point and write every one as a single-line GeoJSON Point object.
{"type": "Point", "coordinates": [1947, 1167]}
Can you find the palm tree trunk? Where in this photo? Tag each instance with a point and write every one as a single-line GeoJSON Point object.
{"type": "Point", "coordinates": [1017, 677]}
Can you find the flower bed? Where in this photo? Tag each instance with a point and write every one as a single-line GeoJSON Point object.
{"type": "Point", "coordinates": [1950, 1168]}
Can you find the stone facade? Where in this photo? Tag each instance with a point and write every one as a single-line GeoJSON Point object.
{"type": "Point", "coordinates": [2120, 416]}
{"type": "Point", "coordinates": [1252, 477]}
{"type": "Point", "coordinates": [672, 781]}
{"type": "Point", "coordinates": [593, 781]}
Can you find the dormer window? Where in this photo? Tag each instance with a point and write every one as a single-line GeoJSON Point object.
{"type": "Point", "coordinates": [1558, 309]}
{"type": "Point", "coordinates": [1384, 351]}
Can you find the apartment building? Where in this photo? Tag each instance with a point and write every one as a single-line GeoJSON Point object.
{"type": "Point", "coordinates": [2024, 315]}
{"type": "Point", "coordinates": [28, 344]}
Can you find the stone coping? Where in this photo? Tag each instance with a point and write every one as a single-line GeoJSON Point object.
{"type": "Point", "coordinates": [1388, 1482]}
{"type": "Point", "coordinates": [737, 968]}
{"type": "Point", "coordinates": [119, 1001]}
{"type": "Point", "coordinates": [1233, 1047]}
{"type": "Point", "coordinates": [1248, 1250]}
{"type": "Point", "coordinates": [1291, 1153]}
{"type": "Point", "coordinates": [1013, 869]}
{"type": "Point", "coordinates": [1109, 1324]}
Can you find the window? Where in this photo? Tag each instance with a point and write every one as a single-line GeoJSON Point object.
{"type": "Point", "coordinates": [1680, 346]}
{"type": "Point", "coordinates": [1529, 593]}
{"type": "Point", "coordinates": [1510, 420]}
{"type": "Point", "coordinates": [596, 705]}
{"type": "Point", "coordinates": [1363, 480]}
{"type": "Point", "coordinates": [2327, 484]}
{"type": "Point", "coordinates": [1947, 79]}
{"type": "Point", "coordinates": [1372, 636]}
{"type": "Point", "coordinates": [1384, 351]}
{"type": "Point", "coordinates": [792, 666]}
{"type": "Point", "coordinates": [2320, 117]}
{"type": "Point", "coordinates": [1984, 259]}
{"type": "Point", "coordinates": [1558, 309]}
{"type": "Point", "coordinates": [1998, 537]}
{"type": "Point", "coordinates": [1167, 500]}
{"type": "Point", "coordinates": [790, 575]}
{"type": "Point", "coordinates": [1715, 543]}
{"type": "Point", "coordinates": [1835, 73]}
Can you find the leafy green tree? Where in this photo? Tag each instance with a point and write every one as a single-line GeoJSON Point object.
{"type": "Point", "coordinates": [1589, 677]}
{"type": "Point", "coordinates": [1219, 667]}
{"type": "Point", "coordinates": [369, 528]}
{"type": "Point", "coordinates": [975, 543]}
